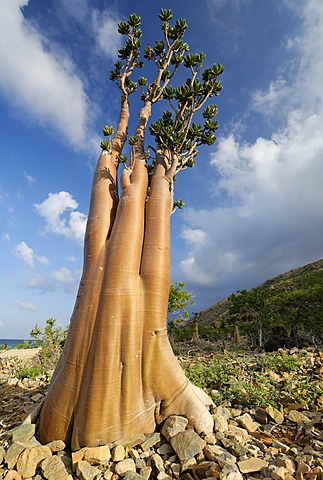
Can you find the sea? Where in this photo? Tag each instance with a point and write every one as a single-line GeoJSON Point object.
{"type": "Point", "coordinates": [11, 342]}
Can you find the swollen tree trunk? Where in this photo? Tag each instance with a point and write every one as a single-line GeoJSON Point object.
{"type": "Point", "coordinates": [118, 375]}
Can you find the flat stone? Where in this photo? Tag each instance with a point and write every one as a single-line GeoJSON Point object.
{"type": "Point", "coordinates": [56, 446]}
{"type": "Point", "coordinates": [12, 475]}
{"type": "Point", "coordinates": [238, 433]}
{"type": "Point", "coordinates": [76, 458]}
{"type": "Point", "coordinates": [54, 469]}
{"type": "Point", "coordinates": [97, 455]}
{"type": "Point", "coordinates": [231, 472]}
{"type": "Point", "coordinates": [207, 469]}
{"type": "Point", "coordinates": [173, 425]}
{"type": "Point", "coordinates": [246, 422]}
{"type": "Point", "coordinates": [253, 464]}
{"type": "Point", "coordinates": [275, 414]}
{"type": "Point", "coordinates": [282, 447]}
{"type": "Point", "coordinates": [152, 439]}
{"type": "Point", "coordinates": [187, 444]}
{"type": "Point", "coordinates": [30, 459]}
{"type": "Point", "coordinates": [297, 417]}
{"type": "Point", "coordinates": [85, 471]}
{"type": "Point", "coordinates": [23, 433]}
{"type": "Point", "coordinates": [122, 467]}
{"type": "Point", "coordinates": [131, 441]}
{"type": "Point", "coordinates": [2, 454]}
{"type": "Point", "coordinates": [133, 476]}
{"type": "Point", "coordinates": [13, 453]}
{"type": "Point", "coordinates": [219, 455]}
{"type": "Point", "coordinates": [221, 412]}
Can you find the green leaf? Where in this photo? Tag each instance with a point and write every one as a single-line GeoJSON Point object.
{"type": "Point", "coordinates": [133, 140]}
{"type": "Point", "coordinates": [210, 111]}
{"type": "Point", "coordinates": [134, 20]}
{"type": "Point", "coordinates": [124, 28]}
{"type": "Point", "coordinates": [159, 48]}
{"type": "Point", "coordinates": [107, 131]}
{"type": "Point", "coordinates": [142, 81]}
{"type": "Point", "coordinates": [105, 145]}
{"type": "Point", "coordinates": [165, 15]}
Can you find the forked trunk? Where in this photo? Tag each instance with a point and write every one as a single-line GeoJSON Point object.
{"type": "Point", "coordinates": [118, 375]}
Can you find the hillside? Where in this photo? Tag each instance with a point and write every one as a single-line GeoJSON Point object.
{"type": "Point", "coordinates": [281, 283]}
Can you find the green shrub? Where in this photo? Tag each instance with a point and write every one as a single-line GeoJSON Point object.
{"type": "Point", "coordinates": [30, 372]}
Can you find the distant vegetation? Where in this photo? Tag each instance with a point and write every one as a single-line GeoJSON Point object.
{"type": "Point", "coordinates": [285, 311]}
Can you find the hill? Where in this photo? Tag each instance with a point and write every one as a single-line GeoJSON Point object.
{"type": "Point", "coordinates": [288, 292]}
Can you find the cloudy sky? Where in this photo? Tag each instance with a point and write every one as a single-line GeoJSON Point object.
{"type": "Point", "coordinates": [254, 202]}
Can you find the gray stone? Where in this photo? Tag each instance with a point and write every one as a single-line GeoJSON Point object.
{"type": "Point", "coordinates": [54, 469]}
{"type": "Point", "coordinates": [253, 464]}
{"type": "Point", "coordinates": [218, 454]}
{"type": "Point", "coordinates": [261, 416]}
{"type": "Point", "coordinates": [156, 463]}
{"type": "Point", "coordinates": [133, 476]}
{"type": "Point", "coordinates": [124, 466]}
{"type": "Point", "coordinates": [297, 417]}
{"type": "Point", "coordinates": [187, 444]}
{"type": "Point", "coordinates": [23, 433]}
{"type": "Point", "coordinates": [280, 446]}
{"type": "Point", "coordinates": [220, 424]}
{"type": "Point", "coordinates": [13, 453]}
{"type": "Point", "coordinates": [130, 441]}
{"type": "Point", "coordinates": [85, 471]}
{"type": "Point", "coordinates": [30, 459]}
{"type": "Point", "coordinates": [151, 440]}
{"type": "Point", "coordinates": [173, 425]}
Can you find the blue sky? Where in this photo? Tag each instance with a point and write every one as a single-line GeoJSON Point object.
{"type": "Point", "coordinates": [254, 201]}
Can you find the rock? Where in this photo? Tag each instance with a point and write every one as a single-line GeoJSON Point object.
{"type": "Point", "coordinates": [253, 464]}
{"type": "Point", "coordinates": [238, 433]}
{"type": "Point", "coordinates": [156, 463]}
{"type": "Point", "coordinates": [279, 473]}
{"type": "Point", "coordinates": [56, 446]}
{"type": "Point", "coordinates": [165, 449]}
{"type": "Point", "coordinates": [275, 414]}
{"type": "Point", "coordinates": [173, 425]}
{"type": "Point", "coordinates": [97, 455]}
{"type": "Point", "coordinates": [118, 453]}
{"type": "Point", "coordinates": [152, 439]}
{"type": "Point", "coordinates": [231, 472]}
{"type": "Point", "coordinates": [54, 469]}
{"type": "Point", "coordinates": [220, 424]}
{"type": "Point", "coordinates": [286, 462]}
{"type": "Point", "coordinates": [122, 467]}
{"type": "Point", "coordinates": [221, 412]}
{"type": "Point", "coordinates": [12, 475]}
{"type": "Point", "coordinates": [131, 441]}
{"type": "Point", "coordinates": [297, 417]}
{"type": "Point", "coordinates": [246, 422]}
{"type": "Point", "coordinates": [76, 458]}
{"type": "Point", "coordinates": [85, 471]}
{"type": "Point", "coordinates": [207, 470]}
{"type": "Point", "coordinates": [187, 444]}
{"type": "Point", "coordinates": [2, 454]}
{"type": "Point", "coordinates": [30, 459]}
{"type": "Point", "coordinates": [23, 433]}
{"type": "Point", "coordinates": [280, 446]}
{"type": "Point", "coordinates": [261, 416]}
{"type": "Point", "coordinates": [133, 476]}
{"type": "Point", "coordinates": [219, 455]}
{"type": "Point", "coordinates": [13, 453]}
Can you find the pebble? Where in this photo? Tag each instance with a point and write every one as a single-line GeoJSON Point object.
{"type": "Point", "coordinates": [246, 444]}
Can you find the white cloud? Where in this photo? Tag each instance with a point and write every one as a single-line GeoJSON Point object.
{"type": "Point", "coordinates": [27, 255]}
{"type": "Point", "coordinates": [6, 237]}
{"type": "Point", "coordinates": [62, 278]}
{"type": "Point", "coordinates": [39, 80]}
{"type": "Point", "coordinates": [26, 306]}
{"type": "Point", "coordinates": [52, 210]}
{"type": "Point", "coordinates": [30, 179]}
{"type": "Point", "coordinates": [104, 24]}
{"type": "Point", "coordinates": [270, 216]}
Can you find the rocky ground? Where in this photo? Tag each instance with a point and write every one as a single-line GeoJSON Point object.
{"type": "Point", "coordinates": [247, 443]}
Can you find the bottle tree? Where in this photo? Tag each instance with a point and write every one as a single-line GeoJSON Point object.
{"type": "Point", "coordinates": [117, 375]}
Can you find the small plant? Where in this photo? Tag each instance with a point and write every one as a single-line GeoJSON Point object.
{"type": "Point", "coordinates": [30, 372]}
{"type": "Point", "coordinates": [51, 340]}
{"type": "Point", "coordinates": [281, 362]}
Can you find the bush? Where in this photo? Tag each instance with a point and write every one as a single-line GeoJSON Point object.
{"type": "Point", "coordinates": [30, 372]}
